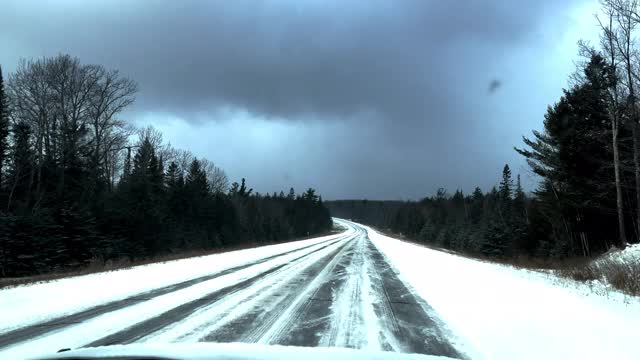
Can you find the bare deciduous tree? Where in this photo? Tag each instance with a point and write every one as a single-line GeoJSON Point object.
{"type": "Point", "coordinates": [110, 95]}
{"type": "Point", "coordinates": [625, 22]}
{"type": "Point", "coordinates": [71, 109]}
{"type": "Point", "coordinates": [218, 180]}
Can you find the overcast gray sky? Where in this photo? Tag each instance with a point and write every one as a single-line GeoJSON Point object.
{"type": "Point", "coordinates": [359, 99]}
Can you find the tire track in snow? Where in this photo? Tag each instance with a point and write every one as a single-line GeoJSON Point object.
{"type": "Point", "coordinates": [242, 316]}
{"type": "Point", "coordinates": [271, 307]}
{"type": "Point", "coordinates": [283, 331]}
{"type": "Point", "coordinates": [40, 329]}
{"type": "Point", "coordinates": [368, 307]}
{"type": "Point", "coordinates": [179, 313]}
{"type": "Point", "coordinates": [359, 317]}
{"type": "Point", "coordinates": [82, 334]}
{"type": "Point", "coordinates": [382, 307]}
{"type": "Point", "coordinates": [417, 328]}
{"type": "Point", "coordinates": [345, 309]}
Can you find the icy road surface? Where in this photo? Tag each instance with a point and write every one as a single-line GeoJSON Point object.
{"type": "Point", "coordinates": [335, 291]}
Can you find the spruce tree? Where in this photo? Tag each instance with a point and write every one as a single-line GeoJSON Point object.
{"type": "Point", "coordinates": [196, 181]}
{"type": "Point", "coordinates": [578, 193]}
{"type": "Point", "coordinates": [4, 129]}
{"type": "Point", "coordinates": [21, 167]}
{"type": "Point", "coordinates": [173, 176]}
{"type": "Point", "coordinates": [506, 184]}
{"type": "Point", "coordinates": [495, 240]}
{"type": "Point", "coordinates": [477, 194]}
{"type": "Point", "coordinates": [310, 195]}
{"type": "Point", "coordinates": [477, 205]}
{"type": "Point", "coordinates": [175, 196]}
{"type": "Point", "coordinates": [519, 199]}
{"type": "Point", "coordinates": [243, 192]}
{"type": "Point", "coordinates": [144, 201]}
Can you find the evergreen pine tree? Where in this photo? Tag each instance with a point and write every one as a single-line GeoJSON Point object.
{"type": "Point", "coordinates": [21, 167]}
{"type": "Point", "coordinates": [173, 177]}
{"type": "Point", "coordinates": [495, 240]}
{"type": "Point", "coordinates": [477, 194]}
{"type": "Point", "coordinates": [242, 191]}
{"type": "Point", "coordinates": [310, 195]}
{"type": "Point", "coordinates": [196, 181]}
{"type": "Point", "coordinates": [519, 204]}
{"type": "Point", "coordinates": [506, 185]}
{"type": "Point", "coordinates": [144, 200]}
{"type": "Point", "coordinates": [175, 202]}
{"type": "Point", "coordinates": [578, 194]}
{"type": "Point", "coordinates": [4, 129]}
{"type": "Point", "coordinates": [476, 206]}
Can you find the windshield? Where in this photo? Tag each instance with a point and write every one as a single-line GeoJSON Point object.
{"type": "Point", "coordinates": [358, 179]}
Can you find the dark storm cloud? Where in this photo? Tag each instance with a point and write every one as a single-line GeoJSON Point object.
{"type": "Point", "coordinates": [411, 70]}
{"type": "Point", "coordinates": [284, 58]}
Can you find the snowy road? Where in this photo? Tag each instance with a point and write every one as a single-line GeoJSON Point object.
{"type": "Point", "coordinates": [337, 292]}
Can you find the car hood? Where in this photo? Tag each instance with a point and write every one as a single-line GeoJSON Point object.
{"type": "Point", "coordinates": [230, 351]}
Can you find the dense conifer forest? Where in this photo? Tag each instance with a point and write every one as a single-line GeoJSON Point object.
{"type": "Point", "coordinates": [78, 184]}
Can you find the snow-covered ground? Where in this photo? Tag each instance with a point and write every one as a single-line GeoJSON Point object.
{"type": "Point", "coordinates": [336, 290]}
{"type": "Point", "coordinates": [501, 312]}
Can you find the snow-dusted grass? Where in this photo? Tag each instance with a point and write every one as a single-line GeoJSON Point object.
{"type": "Point", "coordinates": [501, 312]}
{"type": "Point", "coordinates": [29, 304]}
{"type": "Point", "coordinates": [618, 269]}
{"type": "Point", "coordinates": [631, 253]}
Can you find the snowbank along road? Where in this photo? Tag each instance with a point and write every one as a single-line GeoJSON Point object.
{"type": "Point", "coordinates": [339, 291]}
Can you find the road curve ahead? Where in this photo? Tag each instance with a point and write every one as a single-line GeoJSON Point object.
{"type": "Point", "coordinates": [341, 292]}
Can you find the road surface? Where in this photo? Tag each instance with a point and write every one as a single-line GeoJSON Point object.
{"type": "Point", "coordinates": [341, 292]}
